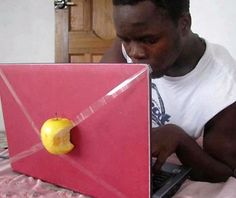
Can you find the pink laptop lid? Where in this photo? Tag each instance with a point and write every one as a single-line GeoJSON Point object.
{"type": "Point", "coordinates": [110, 102]}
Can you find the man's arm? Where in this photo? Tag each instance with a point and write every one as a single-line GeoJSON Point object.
{"type": "Point", "coordinates": [220, 137]}
{"type": "Point", "coordinates": [114, 54]}
{"type": "Point", "coordinates": [216, 162]}
{"type": "Point", "coordinates": [170, 139]}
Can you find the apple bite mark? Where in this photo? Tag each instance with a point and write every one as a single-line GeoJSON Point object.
{"type": "Point", "coordinates": [55, 135]}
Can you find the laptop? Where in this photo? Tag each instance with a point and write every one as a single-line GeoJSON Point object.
{"type": "Point", "coordinates": [109, 104]}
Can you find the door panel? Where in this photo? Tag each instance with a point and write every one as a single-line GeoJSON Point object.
{"type": "Point", "coordinates": [102, 19]}
{"type": "Point", "coordinates": [90, 31]}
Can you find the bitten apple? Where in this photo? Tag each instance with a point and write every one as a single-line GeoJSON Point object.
{"type": "Point", "coordinates": [55, 135]}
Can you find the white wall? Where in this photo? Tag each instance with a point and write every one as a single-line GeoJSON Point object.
{"type": "Point", "coordinates": [26, 32]}
{"type": "Point", "coordinates": [215, 21]}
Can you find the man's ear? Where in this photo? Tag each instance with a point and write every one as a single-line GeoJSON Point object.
{"type": "Point", "coordinates": [185, 22]}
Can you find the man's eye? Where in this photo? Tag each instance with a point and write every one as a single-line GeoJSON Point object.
{"type": "Point", "coordinates": [150, 40]}
{"type": "Point", "coordinates": [125, 40]}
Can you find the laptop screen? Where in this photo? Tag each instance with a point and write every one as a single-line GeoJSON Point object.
{"type": "Point", "coordinates": [109, 104]}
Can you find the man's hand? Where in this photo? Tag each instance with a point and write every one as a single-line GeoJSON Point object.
{"type": "Point", "coordinates": [165, 140]}
{"type": "Point", "coordinates": [169, 139]}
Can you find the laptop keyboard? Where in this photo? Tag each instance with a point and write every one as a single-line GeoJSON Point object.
{"type": "Point", "coordinates": [159, 179]}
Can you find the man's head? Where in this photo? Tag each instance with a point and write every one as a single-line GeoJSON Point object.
{"type": "Point", "coordinates": [153, 31]}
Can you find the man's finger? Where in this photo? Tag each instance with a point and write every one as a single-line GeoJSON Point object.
{"type": "Point", "coordinates": [159, 162]}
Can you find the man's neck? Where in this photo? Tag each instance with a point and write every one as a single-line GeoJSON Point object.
{"type": "Point", "coordinates": [192, 52]}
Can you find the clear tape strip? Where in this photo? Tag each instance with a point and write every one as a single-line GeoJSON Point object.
{"type": "Point", "coordinates": [86, 113]}
{"type": "Point", "coordinates": [34, 149]}
{"type": "Point", "coordinates": [18, 101]}
{"type": "Point", "coordinates": [122, 87]}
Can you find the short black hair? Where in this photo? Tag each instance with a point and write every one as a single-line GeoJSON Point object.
{"type": "Point", "coordinates": [174, 8]}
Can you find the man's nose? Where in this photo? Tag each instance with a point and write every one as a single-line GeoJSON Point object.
{"type": "Point", "coordinates": [136, 51]}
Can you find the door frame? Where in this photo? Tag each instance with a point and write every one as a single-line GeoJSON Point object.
{"type": "Point", "coordinates": [62, 35]}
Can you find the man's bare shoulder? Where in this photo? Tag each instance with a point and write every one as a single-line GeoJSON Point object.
{"type": "Point", "coordinates": [114, 54]}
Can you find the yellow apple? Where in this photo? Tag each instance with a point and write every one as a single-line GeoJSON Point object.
{"type": "Point", "coordinates": [55, 135]}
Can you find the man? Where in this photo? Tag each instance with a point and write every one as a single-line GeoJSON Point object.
{"type": "Point", "coordinates": [193, 85]}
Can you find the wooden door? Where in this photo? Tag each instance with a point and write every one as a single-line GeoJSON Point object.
{"type": "Point", "coordinates": [84, 31]}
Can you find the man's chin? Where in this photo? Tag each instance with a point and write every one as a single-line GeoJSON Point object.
{"type": "Point", "coordinates": [155, 74]}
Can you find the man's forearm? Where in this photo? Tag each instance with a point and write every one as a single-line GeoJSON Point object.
{"type": "Point", "coordinates": [204, 167]}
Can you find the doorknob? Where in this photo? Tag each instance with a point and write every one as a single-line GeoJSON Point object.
{"type": "Point", "coordinates": [62, 4]}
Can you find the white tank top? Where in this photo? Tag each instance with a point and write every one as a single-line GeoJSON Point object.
{"type": "Point", "coordinates": [190, 101]}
